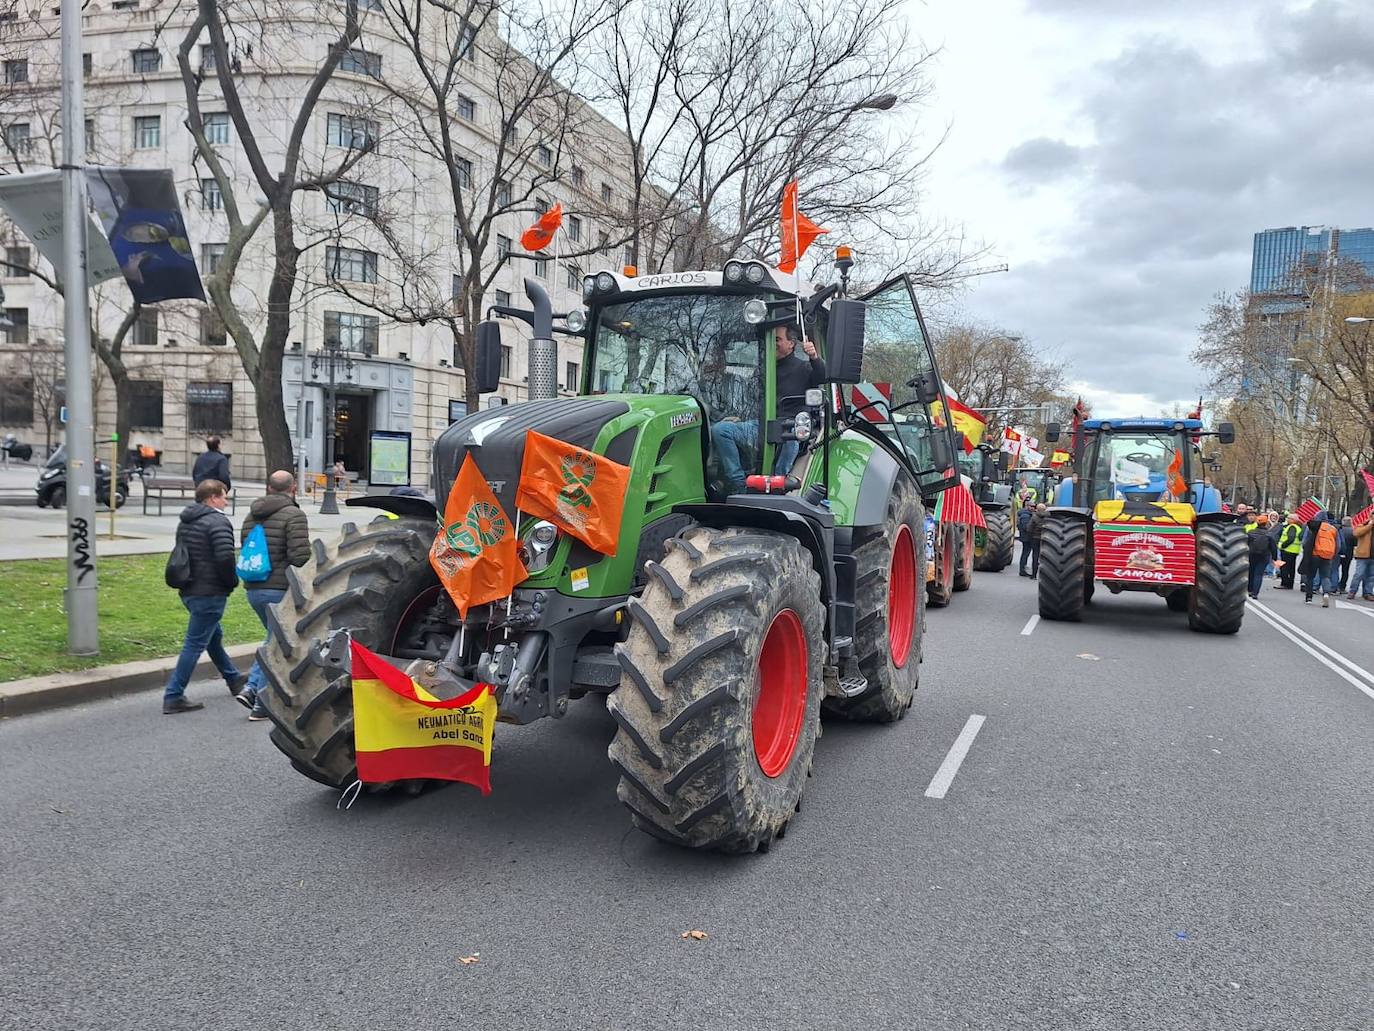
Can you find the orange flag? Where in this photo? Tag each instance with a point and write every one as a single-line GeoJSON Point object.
{"type": "Point", "coordinates": [580, 492]}
{"type": "Point", "coordinates": [402, 732]}
{"type": "Point", "coordinates": [540, 235]}
{"type": "Point", "coordinates": [1178, 486]}
{"type": "Point", "coordinates": [798, 231]}
{"type": "Point", "coordinates": [474, 553]}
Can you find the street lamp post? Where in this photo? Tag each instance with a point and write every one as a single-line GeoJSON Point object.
{"type": "Point", "coordinates": [333, 358]}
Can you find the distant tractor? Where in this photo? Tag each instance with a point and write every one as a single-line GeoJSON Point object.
{"type": "Point", "coordinates": [1140, 522]}
{"type": "Point", "coordinates": [992, 547]}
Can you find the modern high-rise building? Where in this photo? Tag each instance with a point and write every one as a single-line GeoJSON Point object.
{"type": "Point", "coordinates": [1281, 254]}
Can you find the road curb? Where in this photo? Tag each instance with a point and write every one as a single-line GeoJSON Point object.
{"type": "Point", "coordinates": [90, 685]}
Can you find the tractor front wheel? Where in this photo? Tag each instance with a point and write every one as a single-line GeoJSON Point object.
{"type": "Point", "coordinates": [718, 707]}
{"type": "Point", "coordinates": [1223, 569]}
{"type": "Point", "coordinates": [1063, 569]}
{"type": "Point", "coordinates": [998, 551]}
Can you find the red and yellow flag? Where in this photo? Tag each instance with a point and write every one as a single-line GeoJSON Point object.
{"type": "Point", "coordinates": [1178, 486]}
{"type": "Point", "coordinates": [1059, 458]}
{"type": "Point", "coordinates": [798, 232]}
{"type": "Point", "coordinates": [582, 493]}
{"type": "Point", "coordinates": [540, 235]}
{"type": "Point", "coordinates": [402, 732]}
{"type": "Point", "coordinates": [474, 553]}
{"type": "Point", "coordinates": [966, 421]}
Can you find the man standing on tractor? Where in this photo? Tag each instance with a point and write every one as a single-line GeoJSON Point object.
{"type": "Point", "coordinates": [792, 378]}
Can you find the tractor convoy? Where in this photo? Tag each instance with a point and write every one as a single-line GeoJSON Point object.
{"type": "Point", "coordinates": [729, 616]}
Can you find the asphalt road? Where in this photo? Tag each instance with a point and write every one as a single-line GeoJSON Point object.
{"type": "Point", "coordinates": [1151, 829]}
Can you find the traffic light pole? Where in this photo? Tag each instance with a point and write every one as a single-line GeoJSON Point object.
{"type": "Point", "coordinates": [83, 636]}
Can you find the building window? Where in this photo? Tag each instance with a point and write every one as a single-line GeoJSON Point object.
{"type": "Point", "coordinates": [207, 59]}
{"type": "Point", "coordinates": [211, 199]}
{"type": "Point", "coordinates": [570, 379]}
{"type": "Point", "coordinates": [352, 199]}
{"type": "Point", "coordinates": [629, 256]}
{"type": "Point", "coordinates": [125, 5]}
{"type": "Point", "coordinates": [147, 61]}
{"type": "Point", "coordinates": [466, 107]}
{"type": "Point", "coordinates": [361, 62]}
{"type": "Point", "coordinates": [17, 262]}
{"type": "Point", "coordinates": [16, 401]}
{"type": "Point", "coordinates": [572, 277]}
{"type": "Point", "coordinates": [503, 297]}
{"type": "Point", "coordinates": [503, 247]}
{"type": "Point", "coordinates": [18, 333]}
{"type": "Point", "coordinates": [605, 193]}
{"type": "Point", "coordinates": [352, 331]}
{"type": "Point", "coordinates": [505, 361]}
{"type": "Point", "coordinates": [541, 266]}
{"type": "Point", "coordinates": [543, 155]}
{"type": "Point", "coordinates": [503, 193]}
{"type": "Point", "coordinates": [510, 133]}
{"type": "Point", "coordinates": [603, 241]}
{"type": "Point", "coordinates": [211, 254]}
{"type": "Point", "coordinates": [209, 407]}
{"type": "Point", "coordinates": [462, 168]}
{"type": "Point", "coordinates": [351, 131]}
{"type": "Point", "coordinates": [541, 204]}
{"type": "Point", "coordinates": [217, 128]}
{"type": "Point", "coordinates": [85, 66]}
{"type": "Point", "coordinates": [17, 71]}
{"type": "Point", "coordinates": [574, 228]}
{"type": "Point", "coordinates": [212, 331]}
{"type": "Point", "coordinates": [468, 43]}
{"type": "Point", "coordinates": [147, 132]}
{"type": "Point", "coordinates": [17, 137]}
{"type": "Point", "coordinates": [90, 135]}
{"type": "Point", "coordinates": [579, 177]}
{"type": "Point", "coordinates": [145, 404]}
{"type": "Point", "coordinates": [456, 286]}
{"type": "Point", "coordinates": [145, 329]}
{"type": "Point", "coordinates": [351, 264]}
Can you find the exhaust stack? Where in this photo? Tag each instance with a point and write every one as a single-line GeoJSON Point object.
{"type": "Point", "coordinates": [543, 374]}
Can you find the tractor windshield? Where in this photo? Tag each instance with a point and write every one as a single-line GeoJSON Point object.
{"type": "Point", "coordinates": [689, 344]}
{"type": "Point", "coordinates": [1135, 465]}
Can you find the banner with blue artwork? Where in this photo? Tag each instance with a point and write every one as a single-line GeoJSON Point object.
{"type": "Point", "coordinates": [138, 208]}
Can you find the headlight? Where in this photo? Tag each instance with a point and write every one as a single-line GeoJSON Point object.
{"type": "Point", "coordinates": [48, 474]}
{"type": "Point", "coordinates": [577, 320]}
{"type": "Point", "coordinates": [754, 273]}
{"type": "Point", "coordinates": [755, 311]}
{"type": "Point", "coordinates": [605, 282]}
{"type": "Point", "coordinates": [588, 286]}
{"type": "Point", "coordinates": [734, 272]}
{"type": "Point", "coordinates": [539, 545]}
{"type": "Point", "coordinates": [801, 426]}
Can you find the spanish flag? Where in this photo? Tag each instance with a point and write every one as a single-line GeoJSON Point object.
{"type": "Point", "coordinates": [474, 552]}
{"type": "Point", "coordinates": [968, 422]}
{"type": "Point", "coordinates": [1059, 458]}
{"type": "Point", "coordinates": [582, 493]}
{"type": "Point", "coordinates": [402, 732]}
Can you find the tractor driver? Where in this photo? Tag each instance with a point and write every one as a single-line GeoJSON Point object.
{"type": "Point", "coordinates": [793, 376]}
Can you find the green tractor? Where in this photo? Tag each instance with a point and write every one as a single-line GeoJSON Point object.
{"type": "Point", "coordinates": [728, 619]}
{"type": "Point", "coordinates": [983, 475]}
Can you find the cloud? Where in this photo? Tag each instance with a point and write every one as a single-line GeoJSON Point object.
{"type": "Point", "coordinates": [1328, 40]}
{"type": "Point", "coordinates": [1040, 160]}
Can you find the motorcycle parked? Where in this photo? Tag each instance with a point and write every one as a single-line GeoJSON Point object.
{"type": "Point", "coordinates": [52, 483]}
{"type": "Point", "coordinates": [16, 449]}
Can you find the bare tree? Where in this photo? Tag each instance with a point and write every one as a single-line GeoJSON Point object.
{"type": "Point", "coordinates": [993, 368]}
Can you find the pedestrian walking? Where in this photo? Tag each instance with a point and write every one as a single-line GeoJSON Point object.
{"type": "Point", "coordinates": [212, 465]}
{"type": "Point", "coordinates": [1263, 550]}
{"type": "Point", "coordinates": [1290, 551]}
{"type": "Point", "coordinates": [206, 537]}
{"type": "Point", "coordinates": [1362, 572]}
{"type": "Point", "coordinates": [286, 540]}
{"type": "Point", "coordinates": [1320, 547]}
{"type": "Point", "coordinates": [1023, 521]}
{"type": "Point", "coordinates": [1346, 548]}
{"type": "Point", "coordinates": [1275, 527]}
{"type": "Point", "coordinates": [1034, 530]}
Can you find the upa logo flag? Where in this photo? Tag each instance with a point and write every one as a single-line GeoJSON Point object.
{"type": "Point", "coordinates": [402, 732]}
{"type": "Point", "coordinates": [474, 552]}
{"type": "Point", "coordinates": [580, 492]}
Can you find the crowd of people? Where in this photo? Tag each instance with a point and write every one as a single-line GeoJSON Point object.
{"type": "Point", "coordinates": [1323, 556]}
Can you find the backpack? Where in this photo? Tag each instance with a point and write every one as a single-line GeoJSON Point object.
{"type": "Point", "coordinates": [254, 564]}
{"type": "Point", "coordinates": [178, 571]}
{"type": "Point", "coordinates": [1325, 546]}
{"type": "Point", "coordinates": [1259, 542]}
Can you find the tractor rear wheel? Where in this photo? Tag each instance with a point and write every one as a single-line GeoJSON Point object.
{"type": "Point", "coordinates": [889, 608]}
{"type": "Point", "coordinates": [368, 581]}
{"type": "Point", "coordinates": [963, 565]}
{"type": "Point", "coordinates": [997, 552]}
{"type": "Point", "coordinates": [718, 706]}
{"type": "Point", "coordinates": [1223, 569]}
{"type": "Point", "coordinates": [1063, 569]}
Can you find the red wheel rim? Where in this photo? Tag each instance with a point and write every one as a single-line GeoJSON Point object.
{"type": "Point", "coordinates": [901, 598]}
{"type": "Point", "coordinates": [780, 704]}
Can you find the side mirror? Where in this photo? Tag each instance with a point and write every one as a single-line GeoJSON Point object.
{"type": "Point", "coordinates": [487, 373]}
{"type": "Point", "coordinates": [1051, 432]}
{"type": "Point", "coordinates": [989, 466]}
{"type": "Point", "coordinates": [844, 342]}
{"type": "Point", "coordinates": [1226, 433]}
{"type": "Point", "coordinates": [926, 386]}
{"type": "Point", "coordinates": [941, 456]}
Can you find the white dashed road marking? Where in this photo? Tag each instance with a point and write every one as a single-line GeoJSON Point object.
{"type": "Point", "coordinates": [944, 776]}
{"type": "Point", "coordinates": [1030, 625]}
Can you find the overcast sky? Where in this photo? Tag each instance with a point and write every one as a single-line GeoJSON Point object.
{"type": "Point", "coordinates": [1119, 155]}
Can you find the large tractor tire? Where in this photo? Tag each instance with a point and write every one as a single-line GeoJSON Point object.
{"type": "Point", "coordinates": [1064, 572]}
{"type": "Point", "coordinates": [1001, 542]}
{"type": "Point", "coordinates": [940, 590]}
{"type": "Point", "coordinates": [1223, 571]}
{"type": "Point", "coordinates": [963, 566]}
{"type": "Point", "coordinates": [889, 611]}
{"type": "Point", "coordinates": [368, 581]}
{"type": "Point", "coordinates": [718, 707]}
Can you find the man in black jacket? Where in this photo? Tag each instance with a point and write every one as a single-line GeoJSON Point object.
{"type": "Point", "coordinates": [288, 544]}
{"type": "Point", "coordinates": [212, 465]}
{"type": "Point", "coordinates": [209, 539]}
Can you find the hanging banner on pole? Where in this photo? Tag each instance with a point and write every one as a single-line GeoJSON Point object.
{"type": "Point", "coordinates": [34, 201]}
{"type": "Point", "coordinates": [138, 208]}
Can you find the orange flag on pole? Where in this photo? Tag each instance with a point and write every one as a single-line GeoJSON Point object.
{"type": "Point", "coordinates": [474, 552]}
{"type": "Point", "coordinates": [540, 235]}
{"type": "Point", "coordinates": [582, 493]}
{"type": "Point", "coordinates": [1178, 486]}
{"type": "Point", "coordinates": [798, 231]}
{"type": "Point", "coordinates": [402, 732]}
